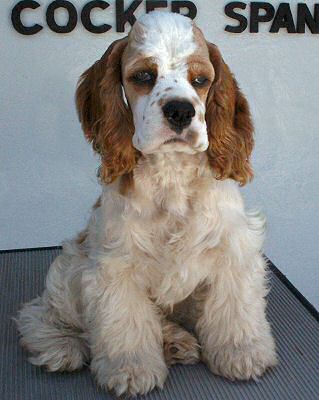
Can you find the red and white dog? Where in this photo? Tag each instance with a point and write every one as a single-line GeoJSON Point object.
{"type": "Point", "coordinates": [169, 268]}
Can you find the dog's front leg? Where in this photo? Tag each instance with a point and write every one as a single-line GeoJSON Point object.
{"type": "Point", "coordinates": [233, 331]}
{"type": "Point", "coordinates": [125, 332]}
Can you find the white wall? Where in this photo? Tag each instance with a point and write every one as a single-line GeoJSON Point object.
{"type": "Point", "coordinates": [48, 171]}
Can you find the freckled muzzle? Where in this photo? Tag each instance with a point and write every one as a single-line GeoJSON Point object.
{"type": "Point", "coordinates": [179, 114]}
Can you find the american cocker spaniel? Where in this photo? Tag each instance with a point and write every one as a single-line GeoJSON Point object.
{"type": "Point", "coordinates": [169, 268]}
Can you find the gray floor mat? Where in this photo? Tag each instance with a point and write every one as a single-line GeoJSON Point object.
{"type": "Point", "coordinates": [296, 331]}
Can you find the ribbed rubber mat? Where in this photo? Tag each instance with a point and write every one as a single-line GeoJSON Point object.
{"type": "Point", "coordinates": [296, 331]}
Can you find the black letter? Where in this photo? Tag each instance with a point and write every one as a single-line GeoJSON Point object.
{"type": "Point", "coordinates": [73, 16]}
{"type": "Point", "coordinates": [151, 5]}
{"type": "Point", "coordinates": [192, 10]}
{"type": "Point", "coordinates": [122, 17]}
{"type": "Point", "coordinates": [86, 17]}
{"type": "Point", "coordinates": [255, 17]}
{"type": "Point", "coordinates": [16, 18]}
{"type": "Point", "coordinates": [283, 19]}
{"type": "Point", "coordinates": [229, 11]}
{"type": "Point", "coordinates": [305, 17]}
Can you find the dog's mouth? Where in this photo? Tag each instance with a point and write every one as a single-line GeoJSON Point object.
{"type": "Point", "coordinates": [179, 144]}
{"type": "Point", "coordinates": [187, 142]}
{"type": "Point", "coordinates": [175, 140]}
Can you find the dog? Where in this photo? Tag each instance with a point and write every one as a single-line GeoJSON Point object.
{"type": "Point", "coordinates": [169, 268]}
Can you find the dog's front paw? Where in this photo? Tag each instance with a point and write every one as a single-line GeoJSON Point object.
{"type": "Point", "coordinates": [242, 362]}
{"type": "Point", "coordinates": [132, 377]}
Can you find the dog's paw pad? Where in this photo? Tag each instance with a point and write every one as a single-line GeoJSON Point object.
{"type": "Point", "coordinates": [180, 347]}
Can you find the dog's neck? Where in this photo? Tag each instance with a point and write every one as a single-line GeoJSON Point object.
{"type": "Point", "coordinates": [166, 181]}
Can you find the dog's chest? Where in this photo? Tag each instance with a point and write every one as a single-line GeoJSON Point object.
{"type": "Point", "coordinates": [168, 223]}
{"type": "Point", "coordinates": [169, 249]}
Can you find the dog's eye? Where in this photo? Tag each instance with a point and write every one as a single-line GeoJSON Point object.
{"type": "Point", "coordinates": [199, 81]}
{"type": "Point", "coordinates": [144, 77]}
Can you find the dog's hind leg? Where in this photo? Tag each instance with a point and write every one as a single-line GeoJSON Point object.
{"type": "Point", "coordinates": [51, 343]}
{"type": "Point", "coordinates": [50, 325]}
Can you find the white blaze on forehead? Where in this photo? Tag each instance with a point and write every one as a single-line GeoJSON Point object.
{"type": "Point", "coordinates": [166, 36]}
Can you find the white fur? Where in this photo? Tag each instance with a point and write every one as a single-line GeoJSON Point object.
{"type": "Point", "coordinates": [181, 246]}
{"type": "Point", "coordinates": [169, 41]}
{"type": "Point", "coordinates": [144, 254]}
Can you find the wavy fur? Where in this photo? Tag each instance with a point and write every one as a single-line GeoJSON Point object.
{"type": "Point", "coordinates": [169, 268]}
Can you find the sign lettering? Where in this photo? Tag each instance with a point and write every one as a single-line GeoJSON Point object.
{"type": "Point", "coordinates": [263, 12]}
{"type": "Point", "coordinates": [123, 15]}
{"type": "Point", "coordinates": [293, 18]}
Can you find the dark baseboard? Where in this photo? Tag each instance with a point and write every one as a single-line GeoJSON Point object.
{"type": "Point", "coordinates": [312, 310]}
{"type": "Point", "coordinates": [31, 249]}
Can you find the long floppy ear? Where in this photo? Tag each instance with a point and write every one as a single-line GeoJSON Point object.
{"type": "Point", "coordinates": [106, 120]}
{"type": "Point", "coordinates": [229, 124]}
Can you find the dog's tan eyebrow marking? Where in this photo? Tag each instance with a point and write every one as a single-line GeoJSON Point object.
{"type": "Point", "coordinates": [148, 62]}
{"type": "Point", "coordinates": [198, 59]}
{"type": "Point", "coordinates": [200, 66]}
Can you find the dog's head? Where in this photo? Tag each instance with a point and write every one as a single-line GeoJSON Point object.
{"type": "Point", "coordinates": [165, 88]}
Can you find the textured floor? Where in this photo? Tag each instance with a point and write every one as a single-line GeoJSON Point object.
{"type": "Point", "coordinates": [296, 331]}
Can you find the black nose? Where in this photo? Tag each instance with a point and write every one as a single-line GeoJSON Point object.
{"type": "Point", "coordinates": [179, 114]}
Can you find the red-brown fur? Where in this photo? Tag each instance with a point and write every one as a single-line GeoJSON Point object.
{"type": "Point", "coordinates": [229, 124]}
{"type": "Point", "coordinates": [107, 121]}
